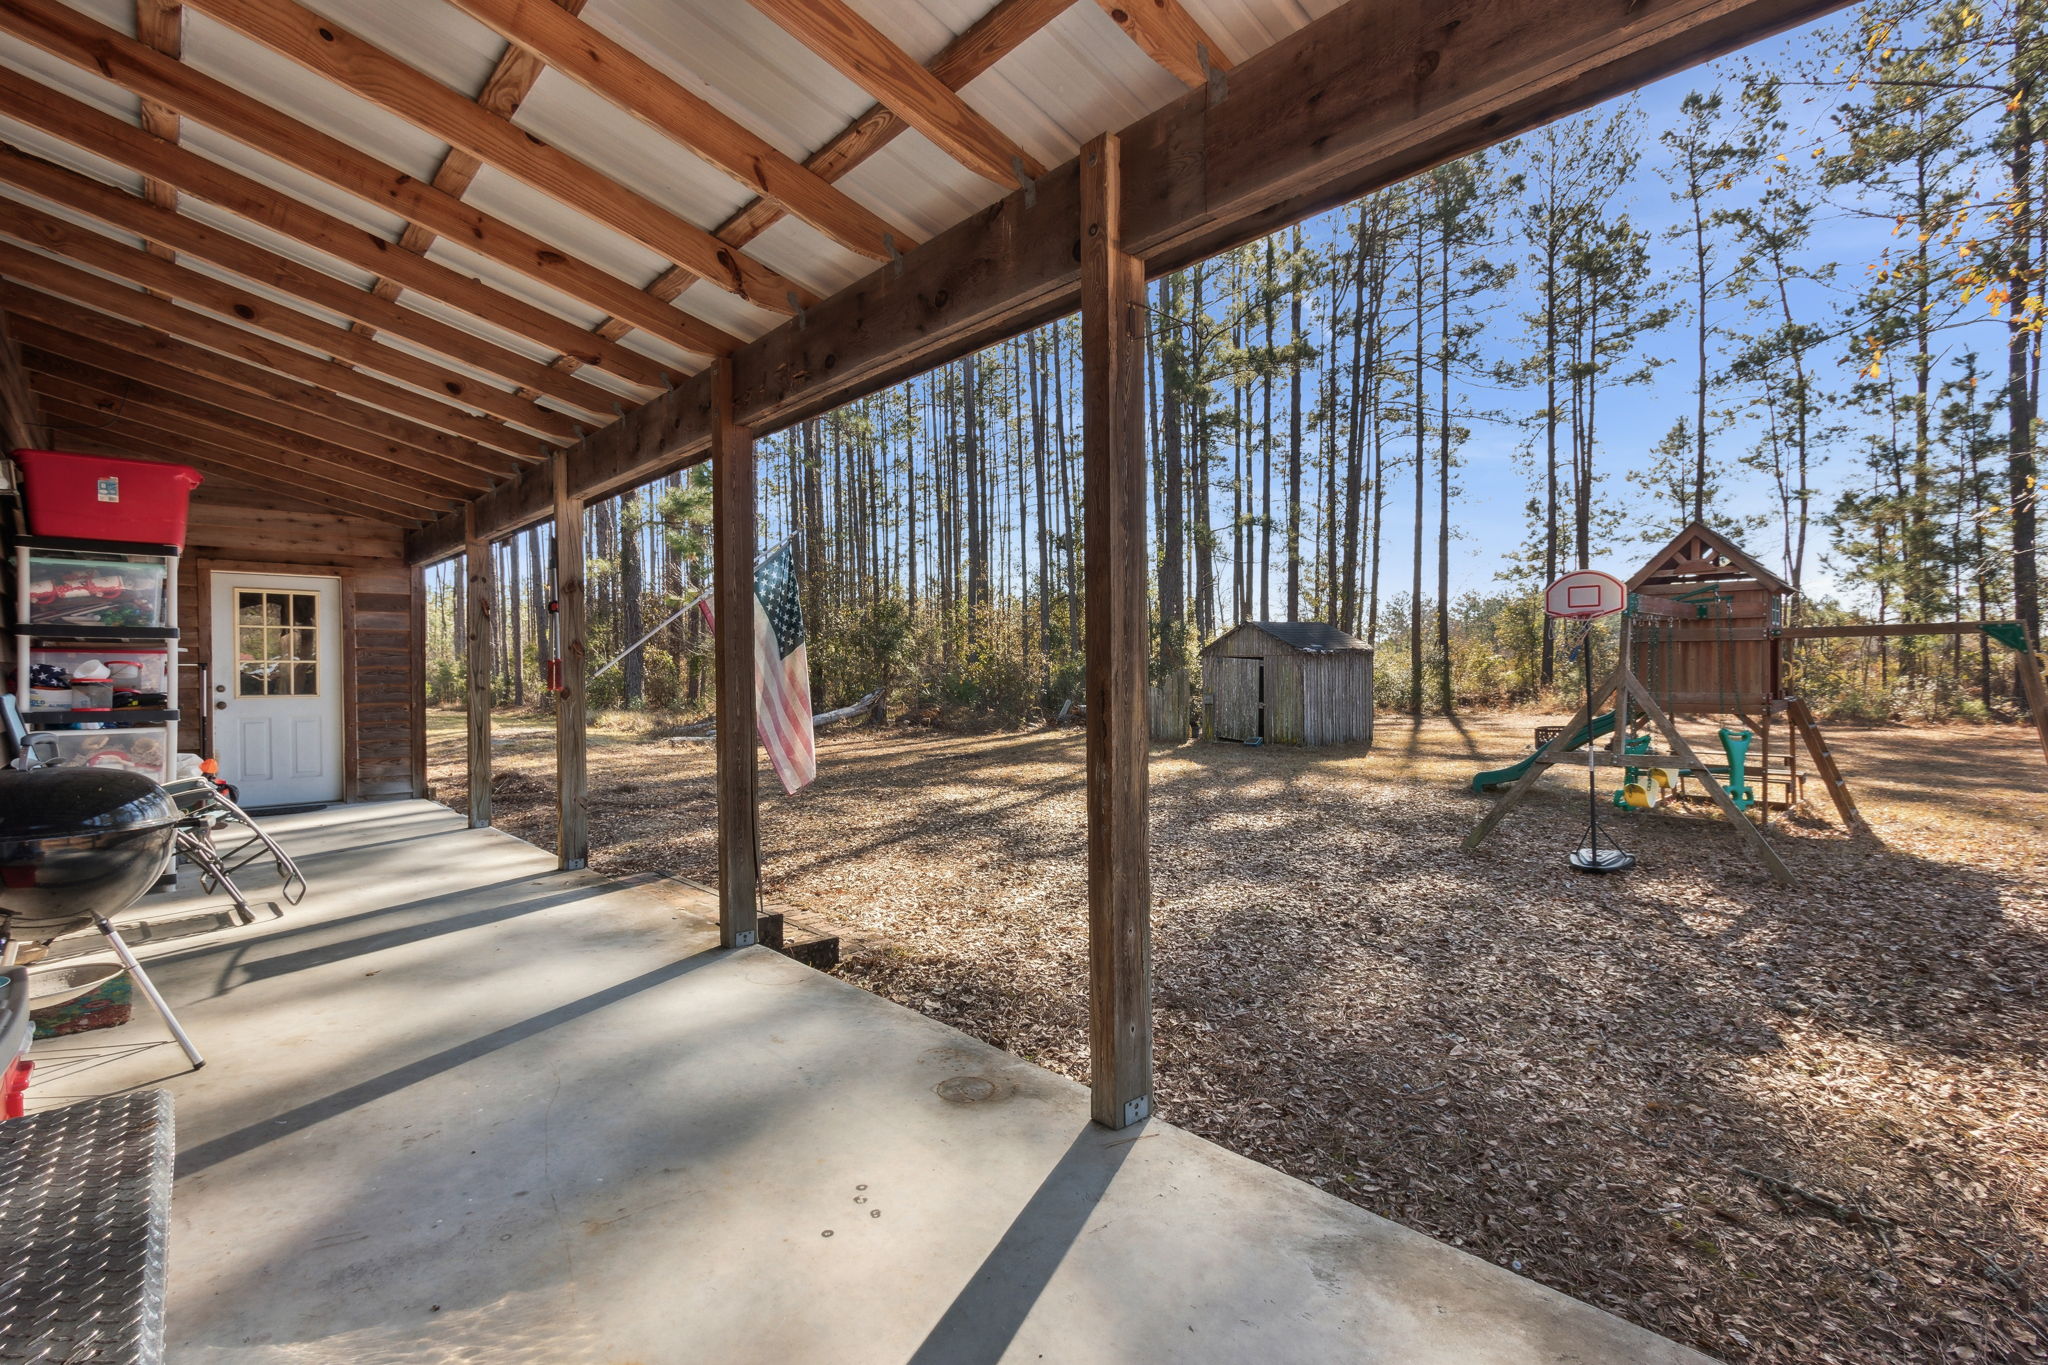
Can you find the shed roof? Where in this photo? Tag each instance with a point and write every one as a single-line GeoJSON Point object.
{"type": "Point", "coordinates": [1310, 637]}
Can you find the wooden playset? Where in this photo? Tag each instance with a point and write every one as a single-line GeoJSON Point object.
{"type": "Point", "coordinates": [1703, 639]}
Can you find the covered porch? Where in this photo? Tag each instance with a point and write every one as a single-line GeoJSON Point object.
{"type": "Point", "coordinates": [464, 1105]}
{"type": "Point", "coordinates": [469, 1100]}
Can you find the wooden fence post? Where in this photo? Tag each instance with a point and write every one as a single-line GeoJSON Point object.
{"type": "Point", "coordinates": [477, 569]}
{"type": "Point", "coordinates": [1113, 481]}
{"type": "Point", "coordinates": [732, 536]}
{"type": "Point", "coordinates": [572, 738]}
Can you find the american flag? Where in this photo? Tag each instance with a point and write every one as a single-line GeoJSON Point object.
{"type": "Point", "coordinates": [782, 671]}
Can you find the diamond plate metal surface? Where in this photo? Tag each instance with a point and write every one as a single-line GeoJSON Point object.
{"type": "Point", "coordinates": [85, 1199]}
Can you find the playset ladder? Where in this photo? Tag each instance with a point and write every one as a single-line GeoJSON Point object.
{"type": "Point", "coordinates": [1824, 763]}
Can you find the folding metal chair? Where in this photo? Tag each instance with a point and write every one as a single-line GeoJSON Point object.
{"type": "Point", "coordinates": [220, 839]}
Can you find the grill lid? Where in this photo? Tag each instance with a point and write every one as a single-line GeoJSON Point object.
{"type": "Point", "coordinates": [62, 803]}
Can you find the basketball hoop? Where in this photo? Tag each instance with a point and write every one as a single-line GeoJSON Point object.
{"type": "Point", "coordinates": [1586, 595]}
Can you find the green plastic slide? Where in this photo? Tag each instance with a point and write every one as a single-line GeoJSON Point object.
{"type": "Point", "coordinates": [1501, 777]}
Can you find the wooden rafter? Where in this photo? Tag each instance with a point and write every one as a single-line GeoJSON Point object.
{"type": "Point", "coordinates": [165, 439]}
{"type": "Point", "coordinates": [331, 51]}
{"type": "Point", "coordinates": [261, 441]}
{"type": "Point", "coordinates": [510, 81]}
{"type": "Point", "coordinates": [1342, 107]}
{"type": "Point", "coordinates": [55, 323]}
{"type": "Point", "coordinates": [189, 325]}
{"type": "Point", "coordinates": [991, 38]}
{"type": "Point", "coordinates": [611, 70]}
{"type": "Point", "coordinates": [873, 61]}
{"type": "Point", "coordinates": [126, 212]}
{"type": "Point", "coordinates": [257, 311]}
{"type": "Point", "coordinates": [55, 345]}
{"type": "Point", "coordinates": [1170, 36]}
{"type": "Point", "coordinates": [189, 173]}
{"type": "Point", "coordinates": [104, 52]}
{"type": "Point", "coordinates": [161, 24]}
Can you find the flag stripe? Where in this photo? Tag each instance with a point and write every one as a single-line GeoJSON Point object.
{"type": "Point", "coordinates": [782, 672]}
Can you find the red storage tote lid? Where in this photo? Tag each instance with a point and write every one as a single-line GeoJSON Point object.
{"type": "Point", "coordinates": [105, 497]}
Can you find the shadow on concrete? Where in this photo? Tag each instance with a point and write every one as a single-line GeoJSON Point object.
{"type": "Point", "coordinates": [984, 1317]}
{"type": "Point", "coordinates": [193, 1160]}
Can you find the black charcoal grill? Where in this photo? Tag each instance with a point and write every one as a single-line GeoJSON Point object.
{"type": "Point", "coordinates": [77, 847]}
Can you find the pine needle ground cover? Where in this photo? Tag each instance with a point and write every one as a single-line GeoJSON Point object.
{"type": "Point", "coordinates": [1805, 1124]}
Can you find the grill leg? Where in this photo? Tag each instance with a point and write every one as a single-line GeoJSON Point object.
{"type": "Point", "coordinates": [149, 989]}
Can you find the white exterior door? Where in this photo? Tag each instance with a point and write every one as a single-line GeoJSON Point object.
{"type": "Point", "coordinates": [274, 687]}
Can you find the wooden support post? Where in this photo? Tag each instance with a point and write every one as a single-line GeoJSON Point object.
{"type": "Point", "coordinates": [1682, 747]}
{"type": "Point", "coordinates": [477, 570]}
{"type": "Point", "coordinates": [1547, 755]}
{"type": "Point", "coordinates": [572, 721]}
{"type": "Point", "coordinates": [732, 537]}
{"type": "Point", "coordinates": [2029, 664]}
{"type": "Point", "coordinates": [416, 685]}
{"type": "Point", "coordinates": [1113, 502]}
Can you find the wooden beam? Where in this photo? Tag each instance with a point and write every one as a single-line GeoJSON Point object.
{"type": "Point", "coordinates": [65, 327]}
{"type": "Point", "coordinates": [161, 24]}
{"type": "Point", "coordinates": [187, 172]}
{"type": "Point", "coordinates": [1113, 539]}
{"type": "Point", "coordinates": [88, 425]}
{"type": "Point", "coordinates": [987, 41]}
{"type": "Point", "coordinates": [56, 351]}
{"type": "Point", "coordinates": [126, 212]}
{"type": "Point", "coordinates": [613, 71]}
{"type": "Point", "coordinates": [572, 720]}
{"type": "Point", "coordinates": [1891, 629]}
{"type": "Point", "coordinates": [416, 708]}
{"type": "Point", "coordinates": [227, 339]}
{"type": "Point", "coordinates": [244, 445]}
{"type": "Point", "coordinates": [257, 311]}
{"type": "Point", "coordinates": [110, 55]}
{"type": "Point", "coordinates": [327, 49]}
{"type": "Point", "coordinates": [480, 583]}
{"type": "Point", "coordinates": [732, 547]}
{"type": "Point", "coordinates": [871, 60]}
{"type": "Point", "coordinates": [1354, 101]}
{"type": "Point", "coordinates": [1170, 36]}
{"type": "Point", "coordinates": [20, 421]}
{"type": "Point", "coordinates": [227, 427]}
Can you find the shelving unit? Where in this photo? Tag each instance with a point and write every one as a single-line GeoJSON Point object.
{"type": "Point", "coordinates": [28, 639]}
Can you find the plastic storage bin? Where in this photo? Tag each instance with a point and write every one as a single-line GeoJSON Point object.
{"type": "Point", "coordinates": [144, 749]}
{"type": "Point", "coordinates": [105, 497]}
{"type": "Point", "coordinates": [138, 675]}
{"type": "Point", "coordinates": [74, 590]}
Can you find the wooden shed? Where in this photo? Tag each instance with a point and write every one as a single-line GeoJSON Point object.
{"type": "Point", "coordinates": [1289, 682]}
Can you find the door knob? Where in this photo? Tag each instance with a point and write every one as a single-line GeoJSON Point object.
{"type": "Point", "coordinates": [220, 706]}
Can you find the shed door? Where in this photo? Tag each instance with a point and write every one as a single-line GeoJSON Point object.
{"type": "Point", "coordinates": [275, 686]}
{"type": "Point", "coordinates": [1239, 686]}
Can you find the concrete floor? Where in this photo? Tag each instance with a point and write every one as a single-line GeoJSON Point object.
{"type": "Point", "coordinates": [463, 1107]}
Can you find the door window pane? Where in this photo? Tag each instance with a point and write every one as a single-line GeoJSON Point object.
{"type": "Point", "coordinates": [277, 643]}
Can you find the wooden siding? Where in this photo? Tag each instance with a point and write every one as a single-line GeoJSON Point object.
{"type": "Point", "coordinates": [1337, 698]}
{"type": "Point", "coordinates": [1716, 666]}
{"type": "Point", "coordinates": [383, 713]}
{"type": "Point", "coordinates": [1167, 708]}
{"type": "Point", "coordinates": [1309, 698]}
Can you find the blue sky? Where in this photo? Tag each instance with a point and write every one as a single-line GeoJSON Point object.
{"type": "Point", "coordinates": [1492, 488]}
